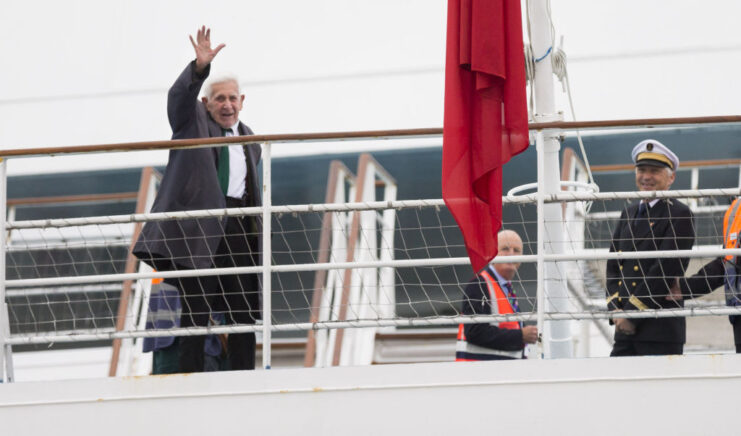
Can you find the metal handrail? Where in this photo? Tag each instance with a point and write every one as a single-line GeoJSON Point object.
{"type": "Point", "coordinates": [686, 165]}
{"type": "Point", "coordinates": [340, 136]}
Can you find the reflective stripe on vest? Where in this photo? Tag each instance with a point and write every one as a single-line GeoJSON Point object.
{"type": "Point", "coordinates": [732, 227]}
{"type": "Point", "coordinates": [164, 313]}
{"type": "Point", "coordinates": [466, 351]}
{"type": "Point", "coordinates": [164, 306]}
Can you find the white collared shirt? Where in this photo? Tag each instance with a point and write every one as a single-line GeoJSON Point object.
{"type": "Point", "coordinates": [237, 166]}
{"type": "Point", "coordinates": [499, 278]}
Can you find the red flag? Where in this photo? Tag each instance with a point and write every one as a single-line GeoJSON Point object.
{"type": "Point", "coordinates": [485, 116]}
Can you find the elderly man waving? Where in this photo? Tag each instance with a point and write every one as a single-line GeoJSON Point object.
{"type": "Point", "coordinates": [208, 178]}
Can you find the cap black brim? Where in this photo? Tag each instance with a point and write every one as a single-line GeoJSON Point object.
{"type": "Point", "coordinates": [652, 163]}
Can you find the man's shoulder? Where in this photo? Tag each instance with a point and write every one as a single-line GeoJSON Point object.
{"type": "Point", "coordinates": [478, 278]}
{"type": "Point", "coordinates": [475, 285]}
{"type": "Point", "coordinates": [630, 208]}
{"type": "Point", "coordinates": [677, 206]}
{"type": "Point", "coordinates": [245, 129]}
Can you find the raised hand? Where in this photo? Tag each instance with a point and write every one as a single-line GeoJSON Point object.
{"type": "Point", "coordinates": [202, 45]}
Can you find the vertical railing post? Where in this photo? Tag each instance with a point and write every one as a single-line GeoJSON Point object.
{"type": "Point", "coordinates": [694, 184]}
{"type": "Point", "coordinates": [540, 244]}
{"type": "Point", "coordinates": [6, 360]}
{"type": "Point", "coordinates": [266, 254]}
{"type": "Point", "coordinates": [557, 334]}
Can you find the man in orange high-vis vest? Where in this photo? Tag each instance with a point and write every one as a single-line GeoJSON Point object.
{"type": "Point", "coordinates": [723, 271]}
{"type": "Point", "coordinates": [490, 292]}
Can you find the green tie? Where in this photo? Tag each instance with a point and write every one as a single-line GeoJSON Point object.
{"type": "Point", "coordinates": [223, 169]}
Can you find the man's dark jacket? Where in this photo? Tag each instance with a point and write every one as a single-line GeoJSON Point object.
{"type": "Point", "coordinates": [190, 183]}
{"type": "Point", "coordinates": [710, 277]}
{"type": "Point", "coordinates": [639, 284]}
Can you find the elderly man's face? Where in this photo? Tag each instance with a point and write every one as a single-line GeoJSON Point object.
{"type": "Point", "coordinates": [510, 244]}
{"type": "Point", "coordinates": [651, 178]}
{"type": "Point", "coordinates": [224, 103]}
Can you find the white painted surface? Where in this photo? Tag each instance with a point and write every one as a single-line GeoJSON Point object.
{"type": "Point", "coordinates": [680, 395]}
{"type": "Point", "coordinates": [69, 364]}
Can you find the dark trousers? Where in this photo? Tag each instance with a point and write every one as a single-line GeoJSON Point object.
{"type": "Point", "coordinates": [167, 361]}
{"type": "Point", "coordinates": [237, 296]}
{"type": "Point", "coordinates": [641, 348]}
{"type": "Point", "coordinates": [736, 321]}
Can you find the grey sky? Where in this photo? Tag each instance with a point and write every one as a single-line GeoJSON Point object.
{"type": "Point", "coordinates": [90, 72]}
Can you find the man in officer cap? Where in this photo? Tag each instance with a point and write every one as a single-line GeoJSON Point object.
{"type": "Point", "coordinates": [643, 284]}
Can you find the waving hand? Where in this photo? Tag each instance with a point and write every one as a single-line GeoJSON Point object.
{"type": "Point", "coordinates": [202, 45]}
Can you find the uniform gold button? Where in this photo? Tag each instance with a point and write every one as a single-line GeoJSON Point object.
{"type": "Point", "coordinates": [620, 282]}
{"type": "Point", "coordinates": [634, 284]}
{"type": "Point", "coordinates": [621, 267]}
{"type": "Point", "coordinates": [635, 268]}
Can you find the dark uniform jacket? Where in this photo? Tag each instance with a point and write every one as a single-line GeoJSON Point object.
{"type": "Point", "coordinates": [639, 284]}
{"type": "Point", "coordinates": [191, 183]}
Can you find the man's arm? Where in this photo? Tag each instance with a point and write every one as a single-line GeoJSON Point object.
{"type": "Point", "coordinates": [616, 293]}
{"type": "Point", "coordinates": [705, 281]}
{"type": "Point", "coordinates": [613, 274]}
{"type": "Point", "coordinates": [182, 100]}
{"type": "Point", "coordinates": [183, 95]}
{"type": "Point", "coordinates": [486, 335]}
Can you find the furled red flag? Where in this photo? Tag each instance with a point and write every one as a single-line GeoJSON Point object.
{"type": "Point", "coordinates": [485, 116]}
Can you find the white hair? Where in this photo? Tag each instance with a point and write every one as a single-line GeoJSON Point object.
{"type": "Point", "coordinates": [208, 87]}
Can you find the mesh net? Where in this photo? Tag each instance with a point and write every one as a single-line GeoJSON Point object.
{"type": "Point", "coordinates": [394, 292]}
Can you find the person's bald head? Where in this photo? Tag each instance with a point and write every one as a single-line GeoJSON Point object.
{"type": "Point", "coordinates": [509, 244]}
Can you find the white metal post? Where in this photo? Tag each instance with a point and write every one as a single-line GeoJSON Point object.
{"type": "Point", "coordinates": [694, 185]}
{"type": "Point", "coordinates": [387, 295]}
{"type": "Point", "coordinates": [6, 360]}
{"type": "Point", "coordinates": [266, 255]}
{"type": "Point", "coordinates": [556, 334]}
{"type": "Point", "coordinates": [540, 245]}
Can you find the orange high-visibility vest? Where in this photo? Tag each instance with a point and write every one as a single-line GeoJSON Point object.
{"type": "Point", "coordinates": [732, 227]}
{"type": "Point", "coordinates": [500, 305]}
{"type": "Point", "coordinates": [731, 230]}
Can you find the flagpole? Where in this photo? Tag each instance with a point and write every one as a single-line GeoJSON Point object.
{"type": "Point", "coordinates": [556, 335]}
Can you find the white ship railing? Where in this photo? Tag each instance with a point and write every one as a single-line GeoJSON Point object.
{"type": "Point", "coordinates": [13, 287]}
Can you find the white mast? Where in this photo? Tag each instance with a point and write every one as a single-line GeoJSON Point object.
{"type": "Point", "coordinates": [556, 334]}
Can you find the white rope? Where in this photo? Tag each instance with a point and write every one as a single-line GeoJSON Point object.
{"type": "Point", "coordinates": [403, 263]}
{"type": "Point", "coordinates": [560, 70]}
{"type": "Point", "coordinates": [570, 196]}
{"type": "Point", "coordinates": [108, 334]}
{"type": "Point", "coordinates": [563, 196]}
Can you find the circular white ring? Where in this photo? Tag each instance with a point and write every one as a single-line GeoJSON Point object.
{"type": "Point", "coordinates": [579, 185]}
